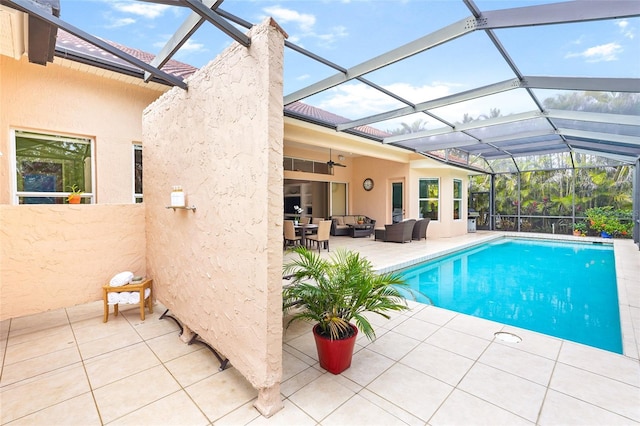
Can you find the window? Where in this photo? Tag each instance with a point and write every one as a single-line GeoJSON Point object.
{"type": "Point", "coordinates": [137, 173]}
{"type": "Point", "coordinates": [429, 198]}
{"type": "Point", "coordinates": [457, 198]}
{"type": "Point", "coordinates": [47, 166]}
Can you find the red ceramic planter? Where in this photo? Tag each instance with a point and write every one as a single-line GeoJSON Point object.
{"type": "Point", "coordinates": [335, 355]}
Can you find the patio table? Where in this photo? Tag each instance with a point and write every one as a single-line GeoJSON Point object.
{"type": "Point", "coordinates": [304, 227]}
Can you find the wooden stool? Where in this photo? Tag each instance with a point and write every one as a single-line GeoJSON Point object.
{"type": "Point", "coordinates": [140, 287]}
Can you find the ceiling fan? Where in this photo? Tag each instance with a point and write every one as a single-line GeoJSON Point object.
{"type": "Point", "coordinates": [332, 163]}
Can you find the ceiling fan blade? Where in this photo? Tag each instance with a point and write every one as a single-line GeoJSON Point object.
{"type": "Point", "coordinates": [332, 163]}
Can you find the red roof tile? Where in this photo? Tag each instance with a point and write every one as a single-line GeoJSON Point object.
{"type": "Point", "coordinates": [69, 43]}
{"type": "Point", "coordinates": [330, 118]}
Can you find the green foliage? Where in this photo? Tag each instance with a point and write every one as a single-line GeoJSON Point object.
{"type": "Point", "coordinates": [617, 223]}
{"type": "Point", "coordinates": [580, 226]}
{"type": "Point", "coordinates": [335, 291]}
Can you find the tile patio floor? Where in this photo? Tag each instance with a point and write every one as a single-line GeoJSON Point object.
{"type": "Point", "coordinates": [428, 366]}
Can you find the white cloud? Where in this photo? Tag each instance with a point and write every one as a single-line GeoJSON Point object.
{"type": "Point", "coordinates": [146, 10]}
{"type": "Point", "coordinates": [626, 30]}
{"type": "Point", "coordinates": [304, 26]}
{"type": "Point", "coordinates": [189, 47]}
{"type": "Point", "coordinates": [602, 53]}
{"type": "Point", "coordinates": [358, 100]}
{"type": "Point", "coordinates": [192, 46]}
{"type": "Point", "coordinates": [329, 38]}
{"type": "Point", "coordinates": [355, 101]}
{"type": "Point", "coordinates": [303, 77]}
{"type": "Point", "coordinates": [304, 21]}
{"type": "Point", "coordinates": [122, 22]}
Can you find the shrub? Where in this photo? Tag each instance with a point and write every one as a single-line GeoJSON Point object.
{"type": "Point", "coordinates": [617, 223]}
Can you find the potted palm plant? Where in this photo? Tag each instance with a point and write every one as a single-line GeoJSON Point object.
{"type": "Point", "coordinates": [334, 293]}
{"type": "Point", "coordinates": [75, 196]}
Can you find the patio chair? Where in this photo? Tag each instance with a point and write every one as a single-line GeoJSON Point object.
{"type": "Point", "coordinates": [290, 237]}
{"type": "Point", "coordinates": [324, 230]}
{"type": "Point", "coordinates": [396, 232]}
{"type": "Point", "coordinates": [420, 229]}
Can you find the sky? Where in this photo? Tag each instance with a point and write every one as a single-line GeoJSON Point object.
{"type": "Point", "coordinates": [349, 32]}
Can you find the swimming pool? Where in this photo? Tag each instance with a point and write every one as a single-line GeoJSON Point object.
{"type": "Point", "coordinates": [563, 289]}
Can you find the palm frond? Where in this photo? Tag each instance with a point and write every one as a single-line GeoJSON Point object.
{"type": "Point", "coordinates": [336, 291]}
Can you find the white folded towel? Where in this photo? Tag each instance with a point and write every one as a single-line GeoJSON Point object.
{"type": "Point", "coordinates": [123, 278]}
{"type": "Point", "coordinates": [124, 296]}
{"type": "Point", "coordinates": [113, 298]}
{"type": "Point", "coordinates": [134, 298]}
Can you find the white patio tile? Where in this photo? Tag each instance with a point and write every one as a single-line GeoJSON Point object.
{"type": "Point", "coordinates": [460, 343]}
{"type": "Point", "coordinates": [333, 395]}
{"type": "Point", "coordinates": [435, 315]}
{"type": "Point", "coordinates": [119, 364]}
{"type": "Point", "coordinates": [416, 329]}
{"type": "Point", "coordinates": [532, 342]}
{"type": "Point", "coordinates": [475, 326]}
{"type": "Point", "coordinates": [366, 365]}
{"type": "Point", "coordinates": [437, 362]}
{"type": "Point", "coordinates": [193, 367]}
{"type": "Point", "coordinates": [289, 415]}
{"type": "Point", "coordinates": [393, 345]}
{"type": "Point", "coordinates": [77, 411]}
{"type": "Point", "coordinates": [619, 397]}
{"type": "Point", "coordinates": [563, 409]}
{"type": "Point", "coordinates": [523, 364]}
{"type": "Point", "coordinates": [300, 380]}
{"type": "Point", "coordinates": [134, 392]}
{"type": "Point", "coordinates": [461, 408]}
{"type": "Point", "coordinates": [174, 409]}
{"type": "Point", "coordinates": [605, 363]}
{"type": "Point", "coordinates": [35, 366]}
{"type": "Point", "coordinates": [411, 390]}
{"type": "Point", "coordinates": [359, 411]}
{"type": "Point", "coordinates": [515, 394]}
{"type": "Point", "coordinates": [221, 393]}
{"type": "Point", "coordinates": [43, 391]}
{"type": "Point", "coordinates": [60, 338]}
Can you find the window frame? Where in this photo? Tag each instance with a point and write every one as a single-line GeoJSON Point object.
{"type": "Point", "coordinates": [427, 199]}
{"type": "Point", "coordinates": [458, 200]}
{"type": "Point", "coordinates": [137, 197]}
{"type": "Point", "coordinates": [53, 137]}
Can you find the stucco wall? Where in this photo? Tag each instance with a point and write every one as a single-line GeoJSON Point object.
{"type": "Point", "coordinates": [219, 269]}
{"type": "Point", "coordinates": [57, 99]}
{"type": "Point", "coordinates": [54, 256]}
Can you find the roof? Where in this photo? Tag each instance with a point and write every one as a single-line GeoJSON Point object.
{"type": "Point", "coordinates": [74, 48]}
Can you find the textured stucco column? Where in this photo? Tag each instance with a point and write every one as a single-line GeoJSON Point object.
{"type": "Point", "coordinates": [219, 268]}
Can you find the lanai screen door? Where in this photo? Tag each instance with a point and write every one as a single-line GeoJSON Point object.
{"type": "Point", "coordinates": [397, 207]}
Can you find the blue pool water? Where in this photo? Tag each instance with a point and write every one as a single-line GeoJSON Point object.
{"type": "Point", "coordinates": [567, 290]}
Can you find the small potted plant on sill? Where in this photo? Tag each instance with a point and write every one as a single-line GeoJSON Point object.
{"type": "Point", "coordinates": [334, 293]}
{"type": "Point", "coordinates": [75, 195]}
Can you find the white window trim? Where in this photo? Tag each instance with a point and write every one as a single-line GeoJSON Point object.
{"type": "Point", "coordinates": [47, 135]}
{"type": "Point", "coordinates": [453, 202]}
{"type": "Point", "coordinates": [136, 196]}
{"type": "Point", "coordinates": [438, 199]}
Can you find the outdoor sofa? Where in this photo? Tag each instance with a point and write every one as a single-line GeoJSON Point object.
{"type": "Point", "coordinates": [340, 224]}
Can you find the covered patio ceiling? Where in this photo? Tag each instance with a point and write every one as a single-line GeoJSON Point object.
{"type": "Point", "coordinates": [524, 113]}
